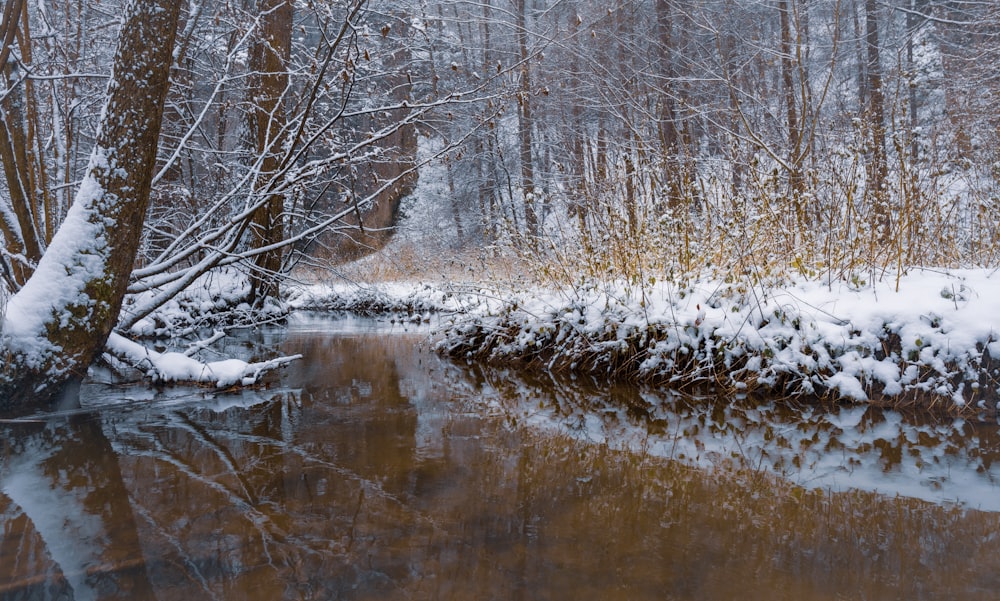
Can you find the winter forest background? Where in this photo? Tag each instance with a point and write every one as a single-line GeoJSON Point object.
{"type": "Point", "coordinates": [830, 134]}
{"type": "Point", "coordinates": [636, 140]}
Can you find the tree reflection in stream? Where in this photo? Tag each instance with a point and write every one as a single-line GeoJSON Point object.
{"type": "Point", "coordinates": [69, 529]}
{"type": "Point", "coordinates": [372, 470]}
{"type": "Point", "coordinates": [940, 460]}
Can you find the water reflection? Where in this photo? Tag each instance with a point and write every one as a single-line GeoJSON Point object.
{"type": "Point", "coordinates": [371, 470]}
{"type": "Point", "coordinates": [69, 530]}
{"type": "Point", "coordinates": [939, 460]}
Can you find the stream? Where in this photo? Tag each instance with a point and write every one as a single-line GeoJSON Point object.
{"type": "Point", "coordinates": [373, 469]}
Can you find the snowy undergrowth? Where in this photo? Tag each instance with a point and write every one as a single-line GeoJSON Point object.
{"type": "Point", "coordinates": [213, 304]}
{"type": "Point", "coordinates": [217, 298]}
{"type": "Point", "coordinates": [934, 338]}
{"type": "Point", "coordinates": [406, 300]}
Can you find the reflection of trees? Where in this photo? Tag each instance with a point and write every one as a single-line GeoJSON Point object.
{"type": "Point", "coordinates": [632, 525]}
{"type": "Point", "coordinates": [70, 531]}
{"type": "Point", "coordinates": [362, 379]}
{"type": "Point", "coordinates": [287, 495]}
{"type": "Point", "coordinates": [292, 494]}
{"type": "Point", "coordinates": [839, 446]}
{"type": "Point", "coordinates": [394, 475]}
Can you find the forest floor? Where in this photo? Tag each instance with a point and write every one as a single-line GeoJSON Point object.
{"type": "Point", "coordinates": [927, 338]}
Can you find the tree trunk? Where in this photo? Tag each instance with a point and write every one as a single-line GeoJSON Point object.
{"type": "Point", "coordinates": [45, 215]}
{"type": "Point", "coordinates": [795, 180]}
{"type": "Point", "coordinates": [524, 124]}
{"type": "Point", "coordinates": [877, 165]}
{"type": "Point", "coordinates": [600, 156]}
{"type": "Point", "coordinates": [625, 26]}
{"type": "Point", "coordinates": [912, 26]}
{"type": "Point", "coordinates": [667, 125]}
{"type": "Point", "coordinates": [19, 226]}
{"type": "Point", "coordinates": [58, 322]}
{"type": "Point", "coordinates": [859, 40]}
{"type": "Point", "coordinates": [13, 155]}
{"type": "Point", "coordinates": [268, 83]}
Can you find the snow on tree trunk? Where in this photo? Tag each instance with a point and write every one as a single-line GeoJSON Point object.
{"type": "Point", "coordinates": [57, 323]}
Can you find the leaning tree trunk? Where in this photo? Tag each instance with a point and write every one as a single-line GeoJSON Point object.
{"type": "Point", "coordinates": [58, 322]}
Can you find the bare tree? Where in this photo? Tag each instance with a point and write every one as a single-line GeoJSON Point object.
{"type": "Point", "coordinates": [875, 118]}
{"type": "Point", "coordinates": [269, 57]}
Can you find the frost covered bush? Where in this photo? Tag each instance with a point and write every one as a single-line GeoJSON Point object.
{"type": "Point", "coordinates": [413, 300]}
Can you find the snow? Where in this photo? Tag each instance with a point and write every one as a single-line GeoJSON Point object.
{"type": "Point", "coordinates": [409, 300]}
{"type": "Point", "coordinates": [923, 332]}
{"type": "Point", "coordinates": [218, 296]}
{"type": "Point", "coordinates": [178, 367]}
{"type": "Point", "coordinates": [75, 257]}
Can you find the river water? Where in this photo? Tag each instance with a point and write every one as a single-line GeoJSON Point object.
{"type": "Point", "coordinates": [372, 469]}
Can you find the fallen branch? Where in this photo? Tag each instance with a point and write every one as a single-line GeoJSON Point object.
{"type": "Point", "coordinates": [178, 367]}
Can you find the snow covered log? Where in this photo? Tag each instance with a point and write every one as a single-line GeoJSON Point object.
{"type": "Point", "coordinates": [178, 367]}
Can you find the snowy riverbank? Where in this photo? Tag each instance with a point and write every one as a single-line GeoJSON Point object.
{"type": "Point", "coordinates": [406, 301]}
{"type": "Point", "coordinates": [930, 336]}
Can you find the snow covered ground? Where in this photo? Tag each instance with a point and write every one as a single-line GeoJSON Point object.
{"type": "Point", "coordinates": [405, 300]}
{"type": "Point", "coordinates": [929, 335]}
{"type": "Point", "coordinates": [217, 297]}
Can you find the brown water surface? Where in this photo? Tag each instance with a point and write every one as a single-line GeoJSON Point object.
{"type": "Point", "coordinates": [372, 469]}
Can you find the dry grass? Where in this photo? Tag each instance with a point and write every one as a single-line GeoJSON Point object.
{"type": "Point", "coordinates": [763, 232]}
{"type": "Point", "coordinates": [405, 261]}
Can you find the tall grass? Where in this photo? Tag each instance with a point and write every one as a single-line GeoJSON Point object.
{"type": "Point", "coordinates": [752, 224]}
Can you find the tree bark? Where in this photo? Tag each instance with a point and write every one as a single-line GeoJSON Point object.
{"type": "Point", "coordinates": [913, 24]}
{"type": "Point", "coordinates": [795, 180]}
{"type": "Point", "coordinates": [58, 322]}
{"type": "Point", "coordinates": [667, 119]}
{"type": "Point", "coordinates": [577, 131]}
{"type": "Point", "coordinates": [525, 124]}
{"type": "Point", "coordinates": [878, 164]}
{"type": "Point", "coordinates": [20, 233]}
{"type": "Point", "coordinates": [269, 57]}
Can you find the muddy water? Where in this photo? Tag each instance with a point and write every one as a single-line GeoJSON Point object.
{"type": "Point", "coordinates": [374, 470]}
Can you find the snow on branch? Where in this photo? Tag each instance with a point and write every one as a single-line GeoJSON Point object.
{"type": "Point", "coordinates": [178, 367]}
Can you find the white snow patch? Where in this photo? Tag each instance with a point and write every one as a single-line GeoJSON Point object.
{"type": "Point", "coordinates": [76, 256]}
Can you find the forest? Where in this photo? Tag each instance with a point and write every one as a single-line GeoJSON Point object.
{"type": "Point", "coordinates": [480, 299]}
{"type": "Point", "coordinates": [674, 162]}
